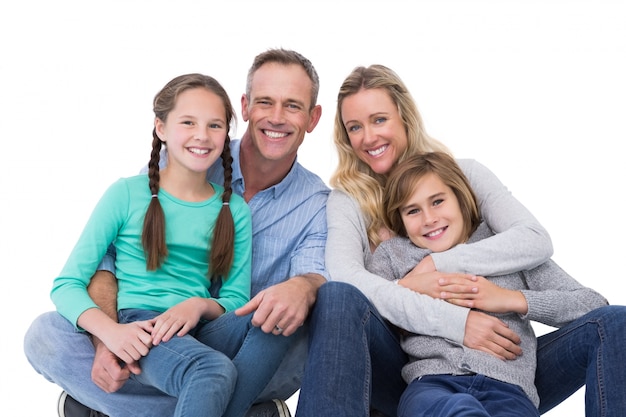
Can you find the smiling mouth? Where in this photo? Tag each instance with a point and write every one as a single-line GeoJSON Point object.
{"type": "Point", "coordinates": [199, 151]}
{"type": "Point", "coordinates": [378, 151]}
{"type": "Point", "coordinates": [436, 233]}
{"type": "Point", "coordinates": [274, 135]}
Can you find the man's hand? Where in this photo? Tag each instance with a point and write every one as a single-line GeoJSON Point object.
{"type": "Point", "coordinates": [108, 372]}
{"type": "Point", "coordinates": [489, 334]}
{"type": "Point", "coordinates": [283, 308]}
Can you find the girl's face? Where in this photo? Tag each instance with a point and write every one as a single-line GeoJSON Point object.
{"type": "Point", "coordinates": [195, 130]}
{"type": "Point", "coordinates": [432, 215]}
{"type": "Point", "coordinates": [375, 129]}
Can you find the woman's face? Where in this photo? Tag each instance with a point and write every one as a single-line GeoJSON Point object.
{"type": "Point", "coordinates": [375, 129]}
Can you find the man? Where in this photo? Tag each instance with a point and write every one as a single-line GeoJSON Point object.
{"type": "Point", "coordinates": [289, 236]}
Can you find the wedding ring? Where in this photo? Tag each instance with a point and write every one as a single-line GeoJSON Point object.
{"type": "Point", "coordinates": [278, 328]}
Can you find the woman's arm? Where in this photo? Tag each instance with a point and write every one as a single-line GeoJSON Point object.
{"type": "Point", "coordinates": [519, 243]}
{"type": "Point", "coordinates": [346, 250]}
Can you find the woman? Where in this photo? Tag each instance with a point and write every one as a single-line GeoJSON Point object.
{"type": "Point", "coordinates": [354, 358]}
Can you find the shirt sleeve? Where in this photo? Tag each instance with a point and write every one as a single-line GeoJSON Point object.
{"type": "Point", "coordinates": [555, 298]}
{"type": "Point", "coordinates": [308, 258]}
{"type": "Point", "coordinates": [69, 291]}
{"type": "Point", "coordinates": [519, 243]}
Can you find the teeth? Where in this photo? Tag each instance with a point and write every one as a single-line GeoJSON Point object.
{"type": "Point", "coordinates": [378, 151]}
{"type": "Point", "coordinates": [198, 151]}
{"type": "Point", "coordinates": [274, 135]}
{"type": "Point", "coordinates": [434, 233]}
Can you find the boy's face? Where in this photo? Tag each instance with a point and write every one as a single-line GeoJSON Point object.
{"type": "Point", "coordinates": [432, 215]}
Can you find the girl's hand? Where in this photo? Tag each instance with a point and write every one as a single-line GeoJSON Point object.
{"type": "Point", "coordinates": [130, 341]}
{"type": "Point", "coordinates": [177, 320]}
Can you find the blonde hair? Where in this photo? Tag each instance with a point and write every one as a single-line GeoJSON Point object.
{"type": "Point", "coordinates": [403, 180]}
{"type": "Point", "coordinates": [354, 176]}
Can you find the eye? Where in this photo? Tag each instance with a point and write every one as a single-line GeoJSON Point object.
{"type": "Point", "coordinates": [216, 126]}
{"type": "Point", "coordinates": [187, 122]}
{"type": "Point", "coordinates": [353, 128]}
{"type": "Point", "coordinates": [380, 120]}
{"type": "Point", "coordinates": [437, 202]}
{"type": "Point", "coordinates": [412, 211]}
{"type": "Point", "coordinates": [293, 106]}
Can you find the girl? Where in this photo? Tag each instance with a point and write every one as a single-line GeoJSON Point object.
{"type": "Point", "coordinates": [430, 206]}
{"type": "Point", "coordinates": [183, 254]}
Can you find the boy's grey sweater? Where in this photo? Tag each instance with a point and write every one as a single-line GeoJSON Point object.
{"type": "Point", "coordinates": [554, 298]}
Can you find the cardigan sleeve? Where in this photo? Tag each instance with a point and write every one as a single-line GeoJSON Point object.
{"type": "Point", "coordinates": [346, 250]}
{"type": "Point", "coordinates": [520, 242]}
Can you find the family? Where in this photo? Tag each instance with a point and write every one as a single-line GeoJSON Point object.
{"type": "Point", "coordinates": [225, 276]}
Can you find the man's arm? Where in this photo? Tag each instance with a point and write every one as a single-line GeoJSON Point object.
{"type": "Point", "coordinates": [107, 372]}
{"type": "Point", "coordinates": [283, 308]}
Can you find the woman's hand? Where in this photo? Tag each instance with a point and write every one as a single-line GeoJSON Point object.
{"type": "Point", "coordinates": [485, 295]}
{"type": "Point", "coordinates": [489, 334]}
{"type": "Point", "coordinates": [425, 279]}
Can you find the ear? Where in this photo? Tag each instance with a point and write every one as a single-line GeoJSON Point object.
{"type": "Point", "coordinates": [159, 128]}
{"type": "Point", "coordinates": [244, 107]}
{"type": "Point", "coordinates": [316, 113]}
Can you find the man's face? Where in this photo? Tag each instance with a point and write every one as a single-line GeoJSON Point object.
{"type": "Point", "coordinates": [278, 110]}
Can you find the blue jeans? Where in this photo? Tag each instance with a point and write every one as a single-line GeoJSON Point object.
{"type": "Point", "coordinates": [64, 356]}
{"type": "Point", "coordinates": [187, 369]}
{"type": "Point", "coordinates": [464, 396]}
{"type": "Point", "coordinates": [355, 360]}
{"type": "Point", "coordinates": [589, 351]}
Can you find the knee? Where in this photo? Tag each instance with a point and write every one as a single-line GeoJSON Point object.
{"type": "Point", "coordinates": [41, 340]}
{"type": "Point", "coordinates": [340, 296]}
{"type": "Point", "coordinates": [613, 317]}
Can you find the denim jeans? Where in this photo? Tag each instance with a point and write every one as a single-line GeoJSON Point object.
{"type": "Point", "coordinates": [200, 377]}
{"type": "Point", "coordinates": [589, 351]}
{"type": "Point", "coordinates": [65, 356]}
{"type": "Point", "coordinates": [464, 396]}
{"type": "Point", "coordinates": [355, 360]}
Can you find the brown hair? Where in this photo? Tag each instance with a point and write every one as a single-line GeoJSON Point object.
{"type": "Point", "coordinates": [403, 180]}
{"type": "Point", "coordinates": [221, 251]}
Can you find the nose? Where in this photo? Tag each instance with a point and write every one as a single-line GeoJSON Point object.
{"type": "Point", "coordinates": [201, 134]}
{"type": "Point", "coordinates": [429, 217]}
{"type": "Point", "coordinates": [368, 135]}
{"type": "Point", "coordinates": [277, 115]}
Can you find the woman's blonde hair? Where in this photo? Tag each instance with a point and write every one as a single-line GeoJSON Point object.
{"type": "Point", "coordinates": [354, 176]}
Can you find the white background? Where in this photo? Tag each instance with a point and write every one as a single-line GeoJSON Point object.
{"type": "Point", "coordinates": [533, 89]}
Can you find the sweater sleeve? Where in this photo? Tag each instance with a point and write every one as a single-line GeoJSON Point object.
{"type": "Point", "coordinates": [346, 249]}
{"type": "Point", "coordinates": [69, 291]}
{"type": "Point", "coordinates": [519, 243]}
{"type": "Point", "coordinates": [555, 298]}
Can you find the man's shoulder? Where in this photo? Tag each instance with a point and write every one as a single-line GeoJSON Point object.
{"type": "Point", "coordinates": [309, 178]}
